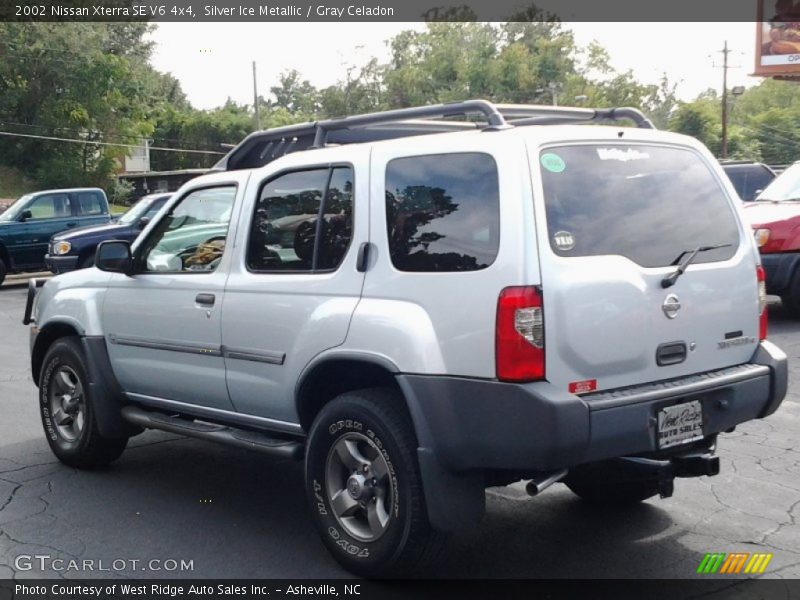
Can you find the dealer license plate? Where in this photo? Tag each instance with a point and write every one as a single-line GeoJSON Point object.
{"type": "Point", "coordinates": [680, 424]}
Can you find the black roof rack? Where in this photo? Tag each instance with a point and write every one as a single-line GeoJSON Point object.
{"type": "Point", "coordinates": [262, 147]}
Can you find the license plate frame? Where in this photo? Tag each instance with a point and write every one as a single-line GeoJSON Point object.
{"type": "Point", "coordinates": [679, 424]}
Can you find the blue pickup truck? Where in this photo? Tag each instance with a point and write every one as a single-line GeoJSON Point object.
{"type": "Point", "coordinates": [27, 225]}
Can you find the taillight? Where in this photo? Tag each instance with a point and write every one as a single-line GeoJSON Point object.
{"type": "Point", "coordinates": [762, 302]}
{"type": "Point", "coordinates": [519, 343]}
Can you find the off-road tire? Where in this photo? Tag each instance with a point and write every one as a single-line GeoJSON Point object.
{"type": "Point", "coordinates": [378, 419]}
{"type": "Point", "coordinates": [88, 448]}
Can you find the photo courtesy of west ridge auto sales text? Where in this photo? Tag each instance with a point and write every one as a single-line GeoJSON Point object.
{"type": "Point", "coordinates": [388, 300]}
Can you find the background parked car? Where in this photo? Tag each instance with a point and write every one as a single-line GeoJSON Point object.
{"type": "Point", "coordinates": [27, 225]}
{"type": "Point", "coordinates": [74, 249]}
{"type": "Point", "coordinates": [749, 178]}
{"type": "Point", "coordinates": [775, 218]}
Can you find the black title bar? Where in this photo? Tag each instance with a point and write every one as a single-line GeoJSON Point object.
{"type": "Point", "coordinates": [208, 589]}
{"type": "Point", "coordinates": [241, 11]}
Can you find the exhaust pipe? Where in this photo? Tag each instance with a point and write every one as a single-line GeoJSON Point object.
{"type": "Point", "coordinates": [543, 481]}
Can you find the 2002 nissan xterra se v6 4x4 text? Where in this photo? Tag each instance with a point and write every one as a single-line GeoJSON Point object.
{"type": "Point", "coordinates": [420, 308]}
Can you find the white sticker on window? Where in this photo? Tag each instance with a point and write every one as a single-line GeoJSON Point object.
{"type": "Point", "coordinates": [564, 240]}
{"type": "Point", "coordinates": [621, 155]}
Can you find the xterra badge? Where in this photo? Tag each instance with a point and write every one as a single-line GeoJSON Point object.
{"type": "Point", "coordinates": [737, 341]}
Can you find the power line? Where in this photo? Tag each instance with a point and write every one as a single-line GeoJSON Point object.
{"type": "Point", "coordinates": [115, 136]}
{"type": "Point", "coordinates": [786, 140]}
{"type": "Point", "coordinates": [785, 132]}
{"type": "Point", "coordinates": [91, 143]}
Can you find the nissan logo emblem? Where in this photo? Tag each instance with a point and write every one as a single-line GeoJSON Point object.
{"type": "Point", "coordinates": [671, 306]}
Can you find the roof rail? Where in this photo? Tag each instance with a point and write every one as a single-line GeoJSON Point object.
{"type": "Point", "coordinates": [555, 115]}
{"type": "Point", "coordinates": [494, 119]}
{"type": "Point", "coordinates": [261, 147]}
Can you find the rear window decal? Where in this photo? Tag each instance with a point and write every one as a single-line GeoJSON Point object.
{"type": "Point", "coordinates": [553, 162]}
{"type": "Point", "coordinates": [622, 155]}
{"type": "Point", "coordinates": [564, 240]}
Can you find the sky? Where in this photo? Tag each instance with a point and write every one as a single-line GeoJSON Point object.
{"type": "Point", "coordinates": [213, 61]}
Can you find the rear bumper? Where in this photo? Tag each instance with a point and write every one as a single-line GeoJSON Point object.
{"type": "Point", "coordinates": [779, 269]}
{"type": "Point", "coordinates": [61, 264]}
{"type": "Point", "coordinates": [470, 425]}
{"type": "Point", "coordinates": [467, 427]}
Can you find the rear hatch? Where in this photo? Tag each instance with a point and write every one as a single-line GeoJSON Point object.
{"type": "Point", "coordinates": [614, 220]}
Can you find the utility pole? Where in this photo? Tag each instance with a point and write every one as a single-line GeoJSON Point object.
{"type": "Point", "coordinates": [725, 68]}
{"type": "Point", "coordinates": [255, 98]}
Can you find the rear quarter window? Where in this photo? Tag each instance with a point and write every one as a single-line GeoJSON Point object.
{"type": "Point", "coordinates": [646, 203]}
{"type": "Point", "coordinates": [443, 212]}
{"type": "Point", "coordinates": [89, 203]}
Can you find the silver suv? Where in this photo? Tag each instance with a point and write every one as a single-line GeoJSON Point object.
{"type": "Point", "coordinates": [420, 308]}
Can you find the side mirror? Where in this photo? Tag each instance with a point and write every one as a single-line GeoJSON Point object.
{"type": "Point", "coordinates": [25, 215]}
{"type": "Point", "coordinates": [143, 222]}
{"type": "Point", "coordinates": [114, 256]}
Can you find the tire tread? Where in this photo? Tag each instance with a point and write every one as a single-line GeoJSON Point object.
{"type": "Point", "coordinates": [423, 544]}
{"type": "Point", "coordinates": [95, 450]}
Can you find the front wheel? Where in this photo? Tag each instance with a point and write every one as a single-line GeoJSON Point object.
{"type": "Point", "coordinates": [67, 410]}
{"type": "Point", "coordinates": [364, 487]}
{"type": "Point", "coordinates": [3, 271]}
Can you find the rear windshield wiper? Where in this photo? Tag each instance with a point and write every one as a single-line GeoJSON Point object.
{"type": "Point", "coordinates": [670, 279]}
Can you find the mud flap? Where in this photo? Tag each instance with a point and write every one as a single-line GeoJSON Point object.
{"type": "Point", "coordinates": [106, 394]}
{"type": "Point", "coordinates": [455, 502]}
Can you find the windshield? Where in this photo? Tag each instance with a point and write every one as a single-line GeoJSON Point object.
{"type": "Point", "coordinates": [13, 211]}
{"type": "Point", "coordinates": [646, 203]}
{"type": "Point", "coordinates": [784, 187]}
{"type": "Point", "coordinates": [135, 212]}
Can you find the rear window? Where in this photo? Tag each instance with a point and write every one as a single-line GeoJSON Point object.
{"type": "Point", "coordinates": [646, 203]}
{"type": "Point", "coordinates": [90, 203]}
{"type": "Point", "coordinates": [749, 179]}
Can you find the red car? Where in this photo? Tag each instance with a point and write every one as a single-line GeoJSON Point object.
{"type": "Point", "coordinates": [775, 217]}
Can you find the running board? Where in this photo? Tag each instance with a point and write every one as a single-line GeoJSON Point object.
{"type": "Point", "coordinates": [241, 438]}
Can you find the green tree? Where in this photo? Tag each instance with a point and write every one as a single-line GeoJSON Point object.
{"type": "Point", "coordinates": [83, 81]}
{"type": "Point", "coordinates": [699, 119]}
{"type": "Point", "coordinates": [295, 94]}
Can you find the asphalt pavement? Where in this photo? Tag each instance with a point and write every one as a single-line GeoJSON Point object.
{"type": "Point", "coordinates": [225, 512]}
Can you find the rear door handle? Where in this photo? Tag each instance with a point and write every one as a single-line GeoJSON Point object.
{"type": "Point", "coordinates": [205, 299]}
{"type": "Point", "coordinates": [362, 260]}
{"type": "Point", "coordinates": [71, 224]}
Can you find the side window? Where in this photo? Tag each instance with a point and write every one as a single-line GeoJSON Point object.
{"type": "Point", "coordinates": [443, 212]}
{"type": "Point", "coordinates": [89, 203]}
{"type": "Point", "coordinates": [154, 208]}
{"type": "Point", "coordinates": [191, 237]}
{"type": "Point", "coordinates": [287, 225]}
{"type": "Point", "coordinates": [50, 206]}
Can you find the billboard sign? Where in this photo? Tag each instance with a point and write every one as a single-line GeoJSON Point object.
{"type": "Point", "coordinates": [778, 38]}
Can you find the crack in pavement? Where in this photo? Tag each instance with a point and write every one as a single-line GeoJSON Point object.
{"type": "Point", "coordinates": [10, 496]}
{"type": "Point", "coordinates": [792, 521]}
